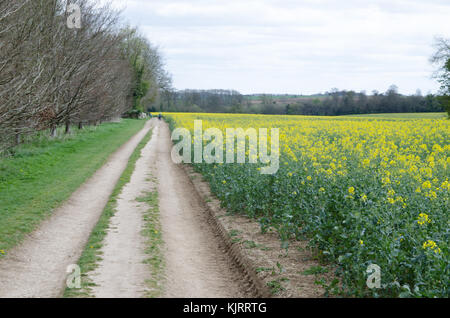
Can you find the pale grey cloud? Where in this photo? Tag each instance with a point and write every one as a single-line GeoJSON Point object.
{"type": "Point", "coordinates": [294, 46]}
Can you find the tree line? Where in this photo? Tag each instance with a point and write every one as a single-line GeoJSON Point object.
{"type": "Point", "coordinates": [333, 103]}
{"type": "Point", "coordinates": [338, 103]}
{"type": "Point", "coordinates": [192, 100]}
{"type": "Point", "coordinates": [53, 75]}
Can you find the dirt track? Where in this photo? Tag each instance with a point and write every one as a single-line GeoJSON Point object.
{"type": "Point", "coordinates": [37, 267]}
{"type": "Point", "coordinates": [196, 264]}
{"type": "Point", "coordinates": [122, 272]}
{"type": "Point", "coordinates": [195, 261]}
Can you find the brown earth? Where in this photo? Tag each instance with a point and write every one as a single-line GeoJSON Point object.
{"type": "Point", "coordinates": [196, 261]}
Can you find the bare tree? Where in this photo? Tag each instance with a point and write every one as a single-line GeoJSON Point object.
{"type": "Point", "coordinates": [441, 58]}
{"type": "Point", "coordinates": [51, 75]}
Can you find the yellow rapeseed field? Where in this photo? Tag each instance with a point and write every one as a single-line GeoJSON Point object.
{"type": "Point", "coordinates": [362, 190]}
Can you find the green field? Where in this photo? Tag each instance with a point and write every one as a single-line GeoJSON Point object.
{"type": "Point", "coordinates": [402, 115]}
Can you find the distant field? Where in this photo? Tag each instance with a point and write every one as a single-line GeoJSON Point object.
{"type": "Point", "coordinates": [403, 115]}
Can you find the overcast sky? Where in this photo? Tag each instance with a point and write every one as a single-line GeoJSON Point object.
{"type": "Point", "coordinates": [294, 46]}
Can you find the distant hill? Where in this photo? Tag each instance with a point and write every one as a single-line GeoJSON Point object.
{"type": "Point", "coordinates": [283, 96]}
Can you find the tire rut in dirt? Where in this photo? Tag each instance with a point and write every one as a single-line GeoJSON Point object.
{"type": "Point", "coordinates": [197, 263]}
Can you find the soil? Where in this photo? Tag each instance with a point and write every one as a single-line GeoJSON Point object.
{"type": "Point", "coordinates": [122, 272]}
{"type": "Point", "coordinates": [196, 261]}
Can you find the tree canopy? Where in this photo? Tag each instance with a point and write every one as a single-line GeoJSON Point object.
{"type": "Point", "coordinates": [441, 58]}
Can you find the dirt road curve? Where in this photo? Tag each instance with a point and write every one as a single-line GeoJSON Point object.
{"type": "Point", "coordinates": [37, 267]}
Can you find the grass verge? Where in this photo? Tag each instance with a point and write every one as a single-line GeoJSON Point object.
{"type": "Point", "coordinates": [152, 232]}
{"type": "Point", "coordinates": [92, 254]}
{"type": "Point", "coordinates": [42, 174]}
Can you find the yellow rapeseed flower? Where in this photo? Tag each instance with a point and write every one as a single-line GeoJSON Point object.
{"type": "Point", "coordinates": [423, 219]}
{"type": "Point", "coordinates": [351, 190]}
{"type": "Point", "coordinates": [426, 185]}
{"type": "Point", "coordinates": [432, 246]}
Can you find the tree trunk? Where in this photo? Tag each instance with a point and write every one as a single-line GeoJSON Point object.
{"type": "Point", "coordinates": [67, 130]}
{"type": "Point", "coordinates": [80, 125]}
{"type": "Point", "coordinates": [17, 139]}
{"type": "Point", "coordinates": [53, 131]}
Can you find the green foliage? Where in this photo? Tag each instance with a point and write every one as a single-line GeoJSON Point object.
{"type": "Point", "coordinates": [146, 66]}
{"type": "Point", "coordinates": [334, 103]}
{"type": "Point", "coordinates": [335, 224]}
{"type": "Point", "coordinates": [315, 270]}
{"type": "Point", "coordinates": [276, 286]}
{"type": "Point", "coordinates": [445, 102]}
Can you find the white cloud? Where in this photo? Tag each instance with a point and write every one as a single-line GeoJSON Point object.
{"type": "Point", "coordinates": [294, 46]}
